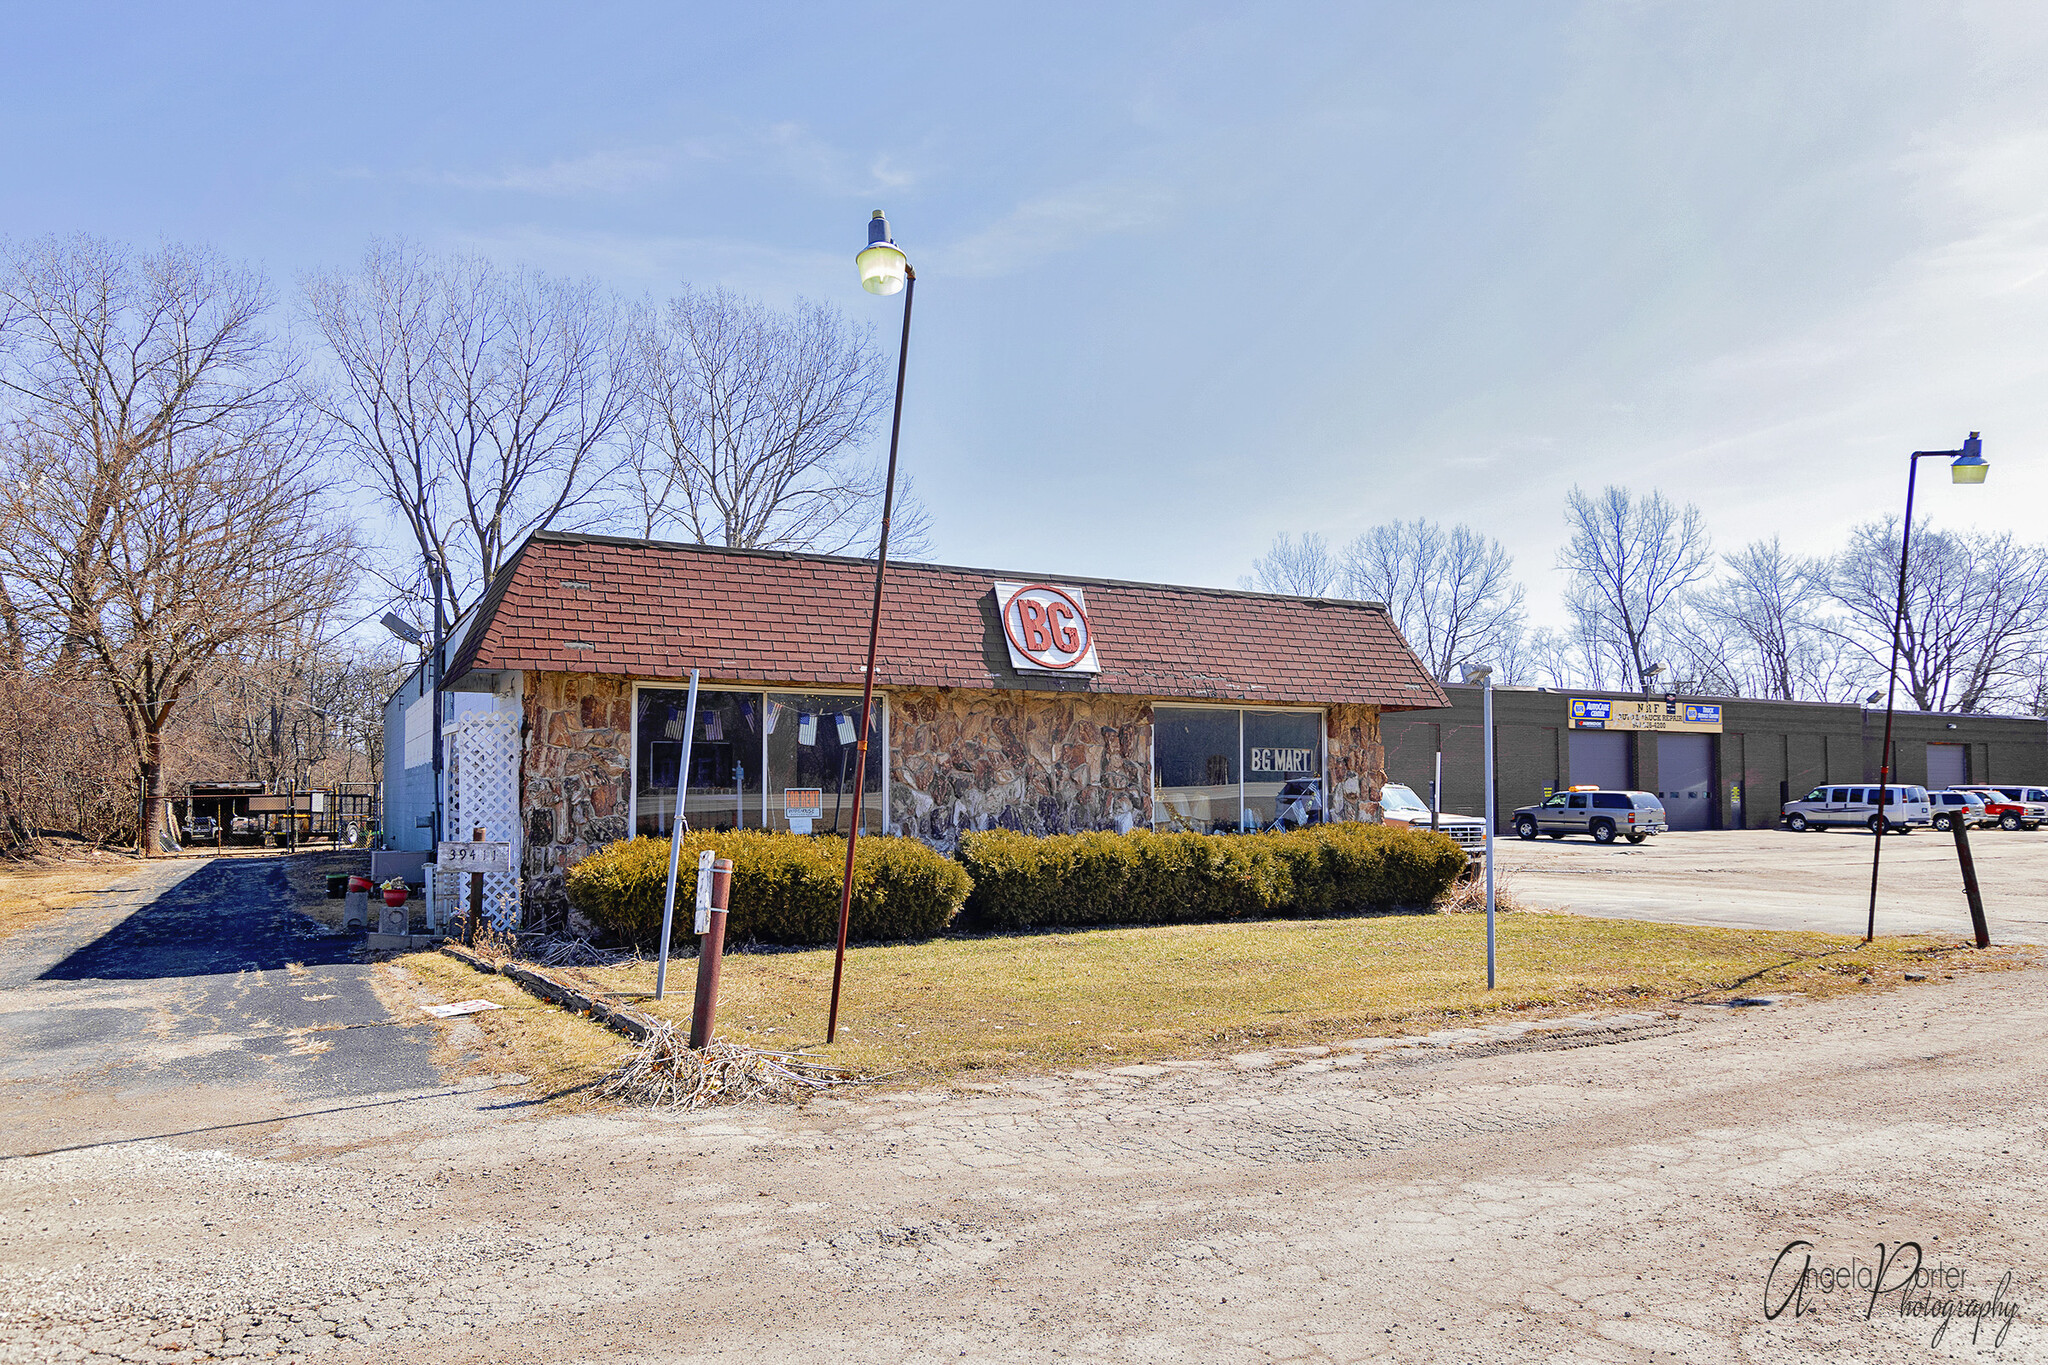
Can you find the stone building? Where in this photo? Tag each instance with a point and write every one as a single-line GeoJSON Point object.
{"type": "Point", "coordinates": [1004, 700]}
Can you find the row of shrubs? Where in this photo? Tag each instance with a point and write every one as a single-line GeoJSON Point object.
{"type": "Point", "coordinates": [785, 887]}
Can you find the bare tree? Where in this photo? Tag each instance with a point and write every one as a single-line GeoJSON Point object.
{"type": "Point", "coordinates": [1300, 568]}
{"type": "Point", "coordinates": [160, 463]}
{"type": "Point", "coordinates": [1763, 629]}
{"type": "Point", "coordinates": [1452, 592]}
{"type": "Point", "coordinates": [479, 404]}
{"type": "Point", "coordinates": [1976, 614]}
{"type": "Point", "coordinates": [301, 703]}
{"type": "Point", "coordinates": [747, 427]}
{"type": "Point", "coordinates": [1631, 561]}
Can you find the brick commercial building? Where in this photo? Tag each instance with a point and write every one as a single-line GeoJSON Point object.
{"type": "Point", "coordinates": [1732, 767]}
{"type": "Point", "coordinates": [1011, 700]}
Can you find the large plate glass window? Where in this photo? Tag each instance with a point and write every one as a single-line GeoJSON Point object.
{"type": "Point", "coordinates": [1283, 768]}
{"type": "Point", "coordinates": [725, 760]}
{"type": "Point", "coordinates": [811, 748]}
{"type": "Point", "coordinates": [1220, 770]}
{"type": "Point", "coordinates": [1196, 783]}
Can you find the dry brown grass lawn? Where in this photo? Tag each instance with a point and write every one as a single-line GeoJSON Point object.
{"type": "Point", "coordinates": [562, 1054]}
{"type": "Point", "coordinates": [33, 893]}
{"type": "Point", "coordinates": [1116, 996]}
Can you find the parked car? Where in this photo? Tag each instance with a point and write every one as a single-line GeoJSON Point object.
{"type": "Point", "coordinates": [1589, 810]}
{"type": "Point", "coordinates": [2015, 807]}
{"type": "Point", "coordinates": [202, 827]}
{"type": "Point", "coordinates": [1951, 806]}
{"type": "Point", "coordinates": [1401, 807]}
{"type": "Point", "coordinates": [1904, 809]}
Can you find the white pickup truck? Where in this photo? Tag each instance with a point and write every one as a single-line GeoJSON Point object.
{"type": "Point", "coordinates": [1400, 806]}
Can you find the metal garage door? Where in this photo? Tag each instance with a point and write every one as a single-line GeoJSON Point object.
{"type": "Point", "coordinates": [1685, 774]}
{"type": "Point", "coordinates": [1600, 758]}
{"type": "Point", "coordinates": [1948, 765]}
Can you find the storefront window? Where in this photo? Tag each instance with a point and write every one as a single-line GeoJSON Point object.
{"type": "Point", "coordinates": [725, 760]}
{"type": "Point", "coordinates": [800, 741]}
{"type": "Point", "coordinates": [1196, 783]}
{"type": "Point", "coordinates": [1218, 771]}
{"type": "Point", "coordinates": [811, 748]}
{"type": "Point", "coordinates": [1283, 767]}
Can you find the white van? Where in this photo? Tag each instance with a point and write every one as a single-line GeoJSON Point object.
{"type": "Point", "coordinates": [1905, 809]}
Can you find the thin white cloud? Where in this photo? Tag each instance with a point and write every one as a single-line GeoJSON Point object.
{"type": "Point", "coordinates": [1058, 222]}
{"type": "Point", "coordinates": [606, 171]}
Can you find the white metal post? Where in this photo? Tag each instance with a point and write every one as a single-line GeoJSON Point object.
{"type": "Point", "coordinates": [1490, 807]}
{"type": "Point", "coordinates": [675, 836]}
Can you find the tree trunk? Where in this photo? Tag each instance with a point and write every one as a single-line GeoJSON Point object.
{"type": "Point", "coordinates": [152, 773]}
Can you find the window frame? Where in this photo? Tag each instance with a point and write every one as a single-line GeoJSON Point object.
{"type": "Point", "coordinates": [1321, 713]}
{"type": "Point", "coordinates": [762, 692]}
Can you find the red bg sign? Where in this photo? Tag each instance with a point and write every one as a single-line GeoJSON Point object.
{"type": "Point", "coordinates": [1046, 628]}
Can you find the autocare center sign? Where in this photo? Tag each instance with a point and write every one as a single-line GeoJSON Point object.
{"type": "Point", "coordinates": [1670, 714]}
{"type": "Point", "coordinates": [1046, 627]}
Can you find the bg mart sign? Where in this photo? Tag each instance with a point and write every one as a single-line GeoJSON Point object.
{"type": "Point", "coordinates": [1046, 628]}
{"type": "Point", "coordinates": [1670, 714]}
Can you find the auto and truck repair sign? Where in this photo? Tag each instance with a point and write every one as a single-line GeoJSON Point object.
{"type": "Point", "coordinates": [1672, 714]}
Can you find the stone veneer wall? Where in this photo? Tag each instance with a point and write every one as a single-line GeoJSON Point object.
{"type": "Point", "coordinates": [1041, 762]}
{"type": "Point", "coordinates": [573, 778]}
{"type": "Point", "coordinates": [1358, 762]}
{"type": "Point", "coordinates": [1045, 763]}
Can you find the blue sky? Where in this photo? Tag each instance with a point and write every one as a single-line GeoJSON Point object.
{"type": "Point", "coordinates": [1190, 275]}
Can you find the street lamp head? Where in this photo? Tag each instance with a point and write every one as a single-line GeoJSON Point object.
{"type": "Point", "coordinates": [1651, 670]}
{"type": "Point", "coordinates": [1970, 466]}
{"type": "Point", "coordinates": [402, 628]}
{"type": "Point", "coordinates": [1474, 672]}
{"type": "Point", "coordinates": [883, 268]}
{"type": "Point", "coordinates": [1873, 699]}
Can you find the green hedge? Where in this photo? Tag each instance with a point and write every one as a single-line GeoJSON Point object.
{"type": "Point", "coordinates": [785, 888]}
{"type": "Point", "coordinates": [1149, 878]}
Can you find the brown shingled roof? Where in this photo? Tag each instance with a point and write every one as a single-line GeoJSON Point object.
{"type": "Point", "coordinates": [652, 609]}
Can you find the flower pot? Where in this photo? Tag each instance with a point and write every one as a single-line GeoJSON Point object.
{"type": "Point", "coordinates": [360, 884]}
{"type": "Point", "coordinates": [394, 899]}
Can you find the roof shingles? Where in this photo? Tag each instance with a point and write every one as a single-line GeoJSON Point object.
{"type": "Point", "coordinates": [658, 610]}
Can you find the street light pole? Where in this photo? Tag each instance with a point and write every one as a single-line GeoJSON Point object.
{"type": "Point", "coordinates": [1966, 466]}
{"type": "Point", "coordinates": [1483, 675]}
{"type": "Point", "coordinates": [884, 269]}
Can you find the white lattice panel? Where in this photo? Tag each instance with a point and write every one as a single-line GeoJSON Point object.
{"type": "Point", "coordinates": [483, 789]}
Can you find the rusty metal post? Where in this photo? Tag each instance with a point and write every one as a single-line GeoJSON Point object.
{"type": "Point", "coordinates": [1958, 826]}
{"type": "Point", "coordinates": [711, 957]}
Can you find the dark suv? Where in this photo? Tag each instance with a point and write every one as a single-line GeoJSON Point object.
{"type": "Point", "coordinates": [1634, 816]}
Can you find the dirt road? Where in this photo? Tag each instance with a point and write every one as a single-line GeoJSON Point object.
{"type": "Point", "coordinates": [1621, 1197]}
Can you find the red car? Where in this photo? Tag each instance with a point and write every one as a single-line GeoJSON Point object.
{"type": "Point", "coordinates": [2014, 807]}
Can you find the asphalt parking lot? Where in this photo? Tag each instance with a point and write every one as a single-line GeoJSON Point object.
{"type": "Point", "coordinates": [1774, 879]}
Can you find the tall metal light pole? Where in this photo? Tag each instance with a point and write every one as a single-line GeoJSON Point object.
{"type": "Point", "coordinates": [1967, 465]}
{"type": "Point", "coordinates": [1483, 675]}
{"type": "Point", "coordinates": [885, 270]}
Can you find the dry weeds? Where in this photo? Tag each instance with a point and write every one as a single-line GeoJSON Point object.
{"type": "Point", "coordinates": [666, 1072]}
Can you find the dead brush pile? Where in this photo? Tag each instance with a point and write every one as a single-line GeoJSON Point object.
{"type": "Point", "coordinates": [1467, 896]}
{"type": "Point", "coordinates": [667, 1073]}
